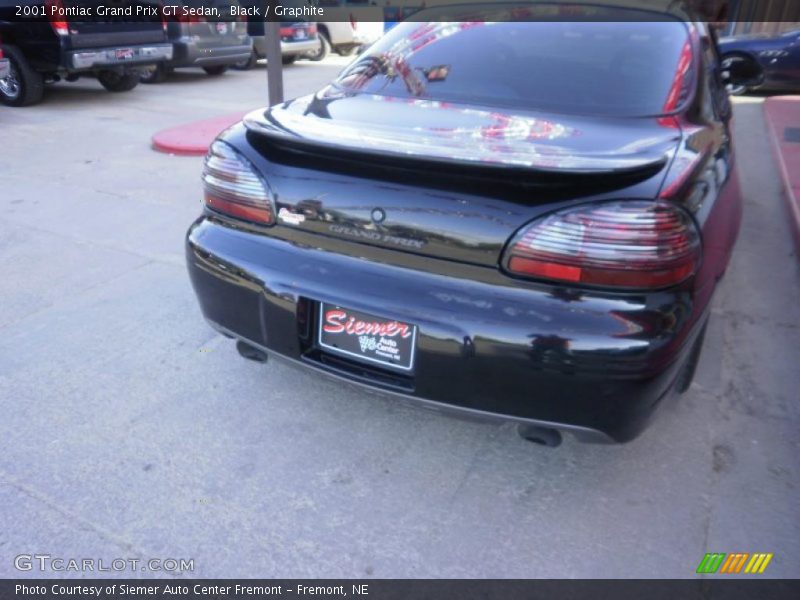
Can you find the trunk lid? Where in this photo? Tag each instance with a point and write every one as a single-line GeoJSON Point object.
{"type": "Point", "coordinates": [445, 180]}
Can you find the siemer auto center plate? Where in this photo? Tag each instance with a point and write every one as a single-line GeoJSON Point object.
{"type": "Point", "coordinates": [367, 337]}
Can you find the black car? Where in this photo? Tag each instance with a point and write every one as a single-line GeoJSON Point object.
{"type": "Point", "coordinates": [45, 46]}
{"type": "Point", "coordinates": [777, 54]}
{"type": "Point", "coordinates": [516, 220]}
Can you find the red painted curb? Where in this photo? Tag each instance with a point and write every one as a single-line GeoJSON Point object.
{"type": "Point", "coordinates": [782, 112]}
{"type": "Point", "coordinates": [193, 139]}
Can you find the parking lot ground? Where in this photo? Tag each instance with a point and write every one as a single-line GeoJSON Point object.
{"type": "Point", "coordinates": [128, 428]}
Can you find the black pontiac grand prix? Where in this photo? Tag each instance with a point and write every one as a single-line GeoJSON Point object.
{"type": "Point", "coordinates": [514, 219]}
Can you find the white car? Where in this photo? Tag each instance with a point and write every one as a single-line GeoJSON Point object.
{"type": "Point", "coordinates": [348, 25]}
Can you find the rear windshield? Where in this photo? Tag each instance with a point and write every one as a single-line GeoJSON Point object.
{"type": "Point", "coordinates": [591, 68]}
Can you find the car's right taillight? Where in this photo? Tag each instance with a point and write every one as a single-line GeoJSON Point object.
{"type": "Point", "coordinates": [633, 244]}
{"type": "Point", "coordinates": [233, 187]}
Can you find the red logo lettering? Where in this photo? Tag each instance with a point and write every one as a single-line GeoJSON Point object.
{"type": "Point", "coordinates": [338, 321]}
{"type": "Point", "coordinates": [332, 321]}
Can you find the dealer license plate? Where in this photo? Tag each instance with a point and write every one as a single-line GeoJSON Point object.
{"type": "Point", "coordinates": [366, 337]}
{"type": "Point", "coordinates": [124, 54]}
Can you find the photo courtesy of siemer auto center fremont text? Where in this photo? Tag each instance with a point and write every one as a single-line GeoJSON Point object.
{"type": "Point", "coordinates": [400, 299]}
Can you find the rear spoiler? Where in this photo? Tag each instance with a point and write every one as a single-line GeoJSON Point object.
{"type": "Point", "coordinates": [448, 148]}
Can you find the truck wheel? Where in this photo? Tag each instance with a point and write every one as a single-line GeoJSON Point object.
{"type": "Point", "coordinates": [289, 60]}
{"type": "Point", "coordinates": [215, 71]}
{"type": "Point", "coordinates": [23, 86]}
{"type": "Point", "coordinates": [249, 63]}
{"type": "Point", "coordinates": [118, 82]}
{"type": "Point", "coordinates": [346, 50]}
{"type": "Point", "coordinates": [155, 74]}
{"type": "Point", "coordinates": [324, 49]}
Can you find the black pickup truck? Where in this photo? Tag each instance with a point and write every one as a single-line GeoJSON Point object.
{"type": "Point", "coordinates": [48, 40]}
{"type": "Point", "coordinates": [5, 65]}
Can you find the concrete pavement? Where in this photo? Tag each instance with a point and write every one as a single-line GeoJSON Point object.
{"type": "Point", "coordinates": [129, 428]}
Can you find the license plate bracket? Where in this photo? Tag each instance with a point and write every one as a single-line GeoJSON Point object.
{"type": "Point", "coordinates": [366, 337]}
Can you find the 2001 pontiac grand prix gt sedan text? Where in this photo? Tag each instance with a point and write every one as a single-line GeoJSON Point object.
{"type": "Point", "coordinates": [517, 220]}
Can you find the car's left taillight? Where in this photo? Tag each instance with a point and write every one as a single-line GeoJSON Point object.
{"type": "Point", "coordinates": [233, 187]}
{"type": "Point", "coordinates": [635, 244]}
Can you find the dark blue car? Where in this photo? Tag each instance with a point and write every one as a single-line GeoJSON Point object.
{"type": "Point", "coordinates": [778, 55]}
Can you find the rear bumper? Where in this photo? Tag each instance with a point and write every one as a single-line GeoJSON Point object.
{"type": "Point", "coordinates": [287, 48]}
{"type": "Point", "coordinates": [296, 48]}
{"type": "Point", "coordinates": [5, 67]}
{"type": "Point", "coordinates": [118, 56]}
{"type": "Point", "coordinates": [595, 365]}
{"type": "Point", "coordinates": [189, 54]}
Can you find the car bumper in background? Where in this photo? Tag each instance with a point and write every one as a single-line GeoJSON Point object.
{"type": "Point", "coordinates": [593, 364]}
{"type": "Point", "coordinates": [190, 54]}
{"type": "Point", "coordinates": [119, 56]}
{"type": "Point", "coordinates": [304, 47]}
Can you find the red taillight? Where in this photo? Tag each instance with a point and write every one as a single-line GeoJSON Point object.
{"type": "Point", "coordinates": [287, 32]}
{"type": "Point", "coordinates": [163, 16]}
{"type": "Point", "coordinates": [54, 9]}
{"type": "Point", "coordinates": [232, 186]}
{"type": "Point", "coordinates": [630, 244]}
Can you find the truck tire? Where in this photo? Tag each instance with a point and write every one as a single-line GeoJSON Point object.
{"type": "Point", "coordinates": [23, 86]}
{"type": "Point", "coordinates": [289, 60]}
{"type": "Point", "coordinates": [118, 82]}
{"type": "Point", "coordinates": [324, 49]}
{"type": "Point", "coordinates": [155, 74]}
{"type": "Point", "coordinates": [215, 71]}
{"type": "Point", "coordinates": [346, 50]}
{"type": "Point", "coordinates": [249, 63]}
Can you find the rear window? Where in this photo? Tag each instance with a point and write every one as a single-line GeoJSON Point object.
{"type": "Point", "coordinates": [609, 68]}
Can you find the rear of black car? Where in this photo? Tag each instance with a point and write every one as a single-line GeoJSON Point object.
{"type": "Point", "coordinates": [49, 40]}
{"type": "Point", "coordinates": [472, 218]}
{"type": "Point", "coordinates": [205, 41]}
